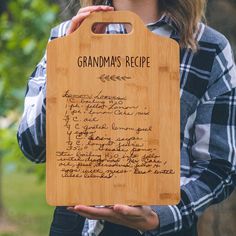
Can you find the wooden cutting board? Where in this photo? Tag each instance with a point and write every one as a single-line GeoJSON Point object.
{"type": "Point", "coordinates": [113, 116]}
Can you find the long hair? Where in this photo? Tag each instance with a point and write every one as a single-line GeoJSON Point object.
{"type": "Point", "coordinates": [185, 13]}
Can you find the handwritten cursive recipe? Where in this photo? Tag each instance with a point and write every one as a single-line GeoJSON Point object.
{"type": "Point", "coordinates": [99, 145]}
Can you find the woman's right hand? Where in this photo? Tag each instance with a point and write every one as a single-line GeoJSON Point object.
{"type": "Point", "coordinates": [85, 12]}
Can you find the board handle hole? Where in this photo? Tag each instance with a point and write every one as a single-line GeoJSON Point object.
{"type": "Point", "coordinates": [102, 27]}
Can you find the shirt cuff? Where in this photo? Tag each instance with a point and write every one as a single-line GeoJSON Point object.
{"type": "Point", "coordinates": [170, 220]}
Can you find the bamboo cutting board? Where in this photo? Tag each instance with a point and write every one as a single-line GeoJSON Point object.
{"type": "Point", "coordinates": [113, 116]}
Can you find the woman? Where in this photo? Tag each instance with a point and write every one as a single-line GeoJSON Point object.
{"type": "Point", "coordinates": [208, 106]}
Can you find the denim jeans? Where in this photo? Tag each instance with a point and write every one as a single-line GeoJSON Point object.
{"type": "Point", "coordinates": [66, 223]}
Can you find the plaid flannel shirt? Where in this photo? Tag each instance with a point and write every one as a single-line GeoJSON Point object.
{"type": "Point", "coordinates": [208, 123]}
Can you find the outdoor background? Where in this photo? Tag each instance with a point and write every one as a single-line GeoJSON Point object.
{"type": "Point", "coordinates": [24, 30]}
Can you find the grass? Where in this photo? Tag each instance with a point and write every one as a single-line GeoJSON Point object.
{"type": "Point", "coordinates": [25, 204]}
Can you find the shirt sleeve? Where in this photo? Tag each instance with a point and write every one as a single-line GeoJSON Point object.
{"type": "Point", "coordinates": [213, 152]}
{"type": "Point", "coordinates": [31, 133]}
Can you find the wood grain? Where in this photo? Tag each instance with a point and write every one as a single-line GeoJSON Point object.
{"type": "Point", "coordinates": [113, 116]}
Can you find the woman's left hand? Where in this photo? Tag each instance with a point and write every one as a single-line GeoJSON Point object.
{"type": "Point", "coordinates": [141, 218]}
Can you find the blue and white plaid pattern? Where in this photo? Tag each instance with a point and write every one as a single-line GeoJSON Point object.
{"type": "Point", "coordinates": [208, 123]}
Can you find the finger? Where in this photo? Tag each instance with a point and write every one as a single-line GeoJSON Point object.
{"type": "Point", "coordinates": [89, 216]}
{"type": "Point", "coordinates": [80, 17]}
{"type": "Point", "coordinates": [95, 8]}
{"type": "Point", "coordinates": [76, 21]}
{"type": "Point", "coordinates": [100, 214]}
{"type": "Point", "coordinates": [99, 10]}
{"type": "Point", "coordinates": [95, 211]}
{"type": "Point", "coordinates": [128, 210]}
{"type": "Point", "coordinates": [92, 217]}
{"type": "Point", "coordinates": [101, 28]}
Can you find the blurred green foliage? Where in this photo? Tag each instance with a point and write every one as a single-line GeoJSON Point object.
{"type": "Point", "coordinates": [24, 30]}
{"type": "Point", "coordinates": [26, 200]}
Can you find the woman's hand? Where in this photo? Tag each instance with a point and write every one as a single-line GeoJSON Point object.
{"type": "Point", "coordinates": [85, 12]}
{"type": "Point", "coordinates": [139, 218]}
